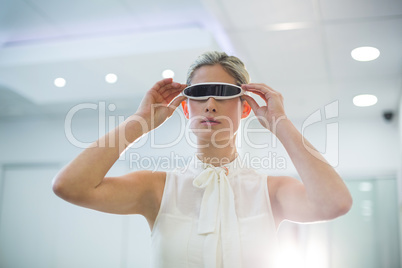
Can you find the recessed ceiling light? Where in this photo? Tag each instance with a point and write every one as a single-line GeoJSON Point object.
{"type": "Point", "coordinates": [111, 78]}
{"type": "Point", "coordinates": [365, 53]}
{"type": "Point", "coordinates": [168, 74]}
{"type": "Point", "coordinates": [59, 82]}
{"type": "Point", "coordinates": [364, 100]}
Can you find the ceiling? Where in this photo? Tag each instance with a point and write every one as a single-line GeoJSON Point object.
{"type": "Point", "coordinates": [298, 47]}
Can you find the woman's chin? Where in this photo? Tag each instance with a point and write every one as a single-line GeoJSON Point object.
{"type": "Point", "coordinates": [213, 138]}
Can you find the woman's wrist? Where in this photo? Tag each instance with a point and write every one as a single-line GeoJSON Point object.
{"type": "Point", "coordinates": [134, 127]}
{"type": "Point", "coordinates": [280, 125]}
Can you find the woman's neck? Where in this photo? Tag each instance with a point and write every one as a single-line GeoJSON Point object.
{"type": "Point", "coordinates": [217, 155]}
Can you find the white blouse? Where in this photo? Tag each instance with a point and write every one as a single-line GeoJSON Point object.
{"type": "Point", "coordinates": [214, 217]}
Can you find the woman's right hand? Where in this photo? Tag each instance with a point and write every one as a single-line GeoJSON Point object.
{"type": "Point", "coordinates": [157, 105]}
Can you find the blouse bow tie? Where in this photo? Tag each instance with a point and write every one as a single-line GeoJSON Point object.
{"type": "Point", "coordinates": [218, 219]}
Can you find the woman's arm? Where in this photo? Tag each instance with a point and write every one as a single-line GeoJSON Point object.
{"type": "Point", "coordinates": [322, 194]}
{"type": "Point", "coordinates": [83, 181]}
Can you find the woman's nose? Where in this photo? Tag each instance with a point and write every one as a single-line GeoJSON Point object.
{"type": "Point", "coordinates": [210, 105]}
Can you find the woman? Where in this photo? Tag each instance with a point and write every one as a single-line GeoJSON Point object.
{"type": "Point", "coordinates": [213, 213]}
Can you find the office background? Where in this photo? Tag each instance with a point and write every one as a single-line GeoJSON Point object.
{"type": "Point", "coordinates": [71, 70]}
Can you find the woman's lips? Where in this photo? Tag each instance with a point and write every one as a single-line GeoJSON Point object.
{"type": "Point", "coordinates": [210, 122]}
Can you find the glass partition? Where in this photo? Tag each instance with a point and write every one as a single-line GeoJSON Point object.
{"type": "Point", "coordinates": [367, 236]}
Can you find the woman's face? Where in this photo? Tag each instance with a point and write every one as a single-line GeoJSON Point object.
{"type": "Point", "coordinates": [214, 120]}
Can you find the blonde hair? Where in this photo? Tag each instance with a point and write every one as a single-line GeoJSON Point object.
{"type": "Point", "coordinates": [233, 65]}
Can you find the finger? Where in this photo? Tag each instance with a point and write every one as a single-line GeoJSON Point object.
{"type": "Point", "coordinates": [172, 93]}
{"type": "Point", "coordinates": [269, 91]}
{"type": "Point", "coordinates": [259, 93]}
{"type": "Point", "coordinates": [254, 88]}
{"type": "Point", "coordinates": [175, 103]}
{"type": "Point", "coordinates": [171, 96]}
{"type": "Point", "coordinates": [172, 87]}
{"type": "Point", "coordinates": [260, 86]}
{"type": "Point", "coordinates": [167, 87]}
{"type": "Point", "coordinates": [254, 105]}
{"type": "Point", "coordinates": [162, 83]}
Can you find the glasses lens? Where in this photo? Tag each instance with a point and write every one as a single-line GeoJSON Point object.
{"type": "Point", "coordinates": [212, 90]}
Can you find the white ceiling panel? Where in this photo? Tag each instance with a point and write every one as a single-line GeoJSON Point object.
{"type": "Point", "coordinates": [385, 35]}
{"type": "Point", "coordinates": [258, 14]}
{"type": "Point", "coordinates": [104, 16]}
{"type": "Point", "coordinates": [105, 46]}
{"type": "Point", "coordinates": [387, 90]}
{"type": "Point", "coordinates": [299, 47]}
{"type": "Point", "coordinates": [346, 9]}
{"type": "Point", "coordinates": [160, 12]}
{"type": "Point", "coordinates": [296, 55]}
{"type": "Point", "coordinates": [27, 19]}
{"type": "Point", "coordinates": [87, 81]}
{"type": "Point", "coordinates": [303, 99]}
{"type": "Point", "coordinates": [20, 21]}
{"type": "Point", "coordinates": [81, 12]}
{"type": "Point", "coordinates": [143, 66]}
{"type": "Point", "coordinates": [86, 17]}
{"type": "Point", "coordinates": [369, 85]}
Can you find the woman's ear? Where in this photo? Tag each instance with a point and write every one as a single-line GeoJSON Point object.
{"type": "Point", "coordinates": [246, 109]}
{"type": "Point", "coordinates": [185, 108]}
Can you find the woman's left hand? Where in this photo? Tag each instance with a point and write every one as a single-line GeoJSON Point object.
{"type": "Point", "coordinates": [274, 109]}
